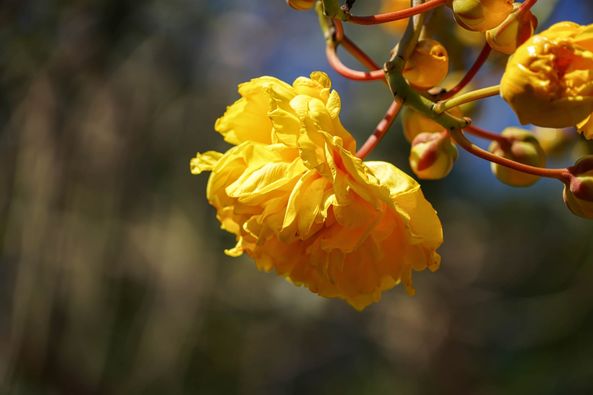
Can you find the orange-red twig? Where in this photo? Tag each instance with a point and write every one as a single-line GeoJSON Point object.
{"type": "Point", "coordinates": [381, 129]}
{"type": "Point", "coordinates": [471, 73]}
{"type": "Point", "coordinates": [352, 48]}
{"type": "Point", "coordinates": [395, 15]}
{"type": "Point", "coordinates": [359, 54]}
{"type": "Point", "coordinates": [342, 69]}
{"type": "Point", "coordinates": [485, 134]}
{"type": "Point", "coordinates": [459, 137]}
{"type": "Point", "coordinates": [527, 4]}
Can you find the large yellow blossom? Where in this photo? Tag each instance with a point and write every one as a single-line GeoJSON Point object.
{"type": "Point", "coordinates": [548, 81]}
{"type": "Point", "coordinates": [302, 204]}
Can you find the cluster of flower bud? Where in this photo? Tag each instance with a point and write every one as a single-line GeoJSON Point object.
{"type": "Point", "coordinates": [547, 82]}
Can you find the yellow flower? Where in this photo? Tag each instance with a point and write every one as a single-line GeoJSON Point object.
{"type": "Point", "coordinates": [548, 81]}
{"type": "Point", "coordinates": [481, 15]}
{"type": "Point", "coordinates": [428, 65]}
{"type": "Point", "coordinates": [302, 204]}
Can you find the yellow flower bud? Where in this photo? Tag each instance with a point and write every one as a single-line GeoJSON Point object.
{"type": "Point", "coordinates": [428, 65]}
{"type": "Point", "coordinates": [578, 193]}
{"type": "Point", "coordinates": [415, 123]}
{"type": "Point", "coordinates": [522, 147]}
{"type": "Point", "coordinates": [432, 155]}
{"type": "Point", "coordinates": [469, 38]}
{"type": "Point", "coordinates": [399, 26]}
{"type": "Point", "coordinates": [301, 4]}
{"type": "Point", "coordinates": [548, 81]}
{"type": "Point", "coordinates": [552, 140]}
{"type": "Point", "coordinates": [514, 31]}
{"type": "Point", "coordinates": [481, 15]}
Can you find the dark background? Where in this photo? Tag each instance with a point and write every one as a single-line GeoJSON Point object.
{"type": "Point", "coordinates": [112, 273]}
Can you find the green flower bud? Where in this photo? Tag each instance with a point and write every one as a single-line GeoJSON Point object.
{"type": "Point", "coordinates": [432, 155]}
{"type": "Point", "coordinates": [578, 193]}
{"type": "Point", "coordinates": [522, 147]}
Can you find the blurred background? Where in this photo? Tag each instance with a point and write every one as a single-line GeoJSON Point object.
{"type": "Point", "coordinates": [112, 273]}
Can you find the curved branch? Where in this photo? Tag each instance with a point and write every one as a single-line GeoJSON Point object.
{"type": "Point", "coordinates": [395, 15]}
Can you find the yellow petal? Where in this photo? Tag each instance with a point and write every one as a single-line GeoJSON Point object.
{"type": "Point", "coordinates": [247, 119]}
{"type": "Point", "coordinates": [305, 207]}
{"type": "Point", "coordinates": [253, 186]}
{"type": "Point", "coordinates": [586, 127]}
{"type": "Point", "coordinates": [204, 162]}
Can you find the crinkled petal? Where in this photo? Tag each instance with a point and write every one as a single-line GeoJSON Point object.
{"type": "Point", "coordinates": [204, 162]}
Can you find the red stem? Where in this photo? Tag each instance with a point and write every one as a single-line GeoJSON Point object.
{"type": "Point", "coordinates": [471, 73]}
{"type": "Point", "coordinates": [359, 54]}
{"type": "Point", "coordinates": [561, 174]}
{"type": "Point", "coordinates": [396, 15]}
{"type": "Point", "coordinates": [526, 6]}
{"type": "Point", "coordinates": [352, 48]}
{"type": "Point", "coordinates": [342, 69]}
{"type": "Point", "coordinates": [381, 129]}
{"type": "Point", "coordinates": [485, 134]}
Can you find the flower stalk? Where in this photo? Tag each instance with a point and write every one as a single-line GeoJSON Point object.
{"type": "Point", "coordinates": [381, 129]}
{"type": "Point", "coordinates": [471, 73]}
{"type": "Point", "coordinates": [395, 15]}
{"type": "Point", "coordinates": [561, 174]}
{"type": "Point", "coordinates": [485, 134]}
{"type": "Point", "coordinates": [468, 97]}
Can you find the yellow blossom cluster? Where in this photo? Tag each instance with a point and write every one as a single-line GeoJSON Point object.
{"type": "Point", "coordinates": [301, 203]}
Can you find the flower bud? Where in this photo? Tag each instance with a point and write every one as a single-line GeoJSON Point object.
{"type": "Point", "coordinates": [301, 4]}
{"type": "Point", "coordinates": [428, 65]}
{"type": "Point", "coordinates": [522, 147]}
{"type": "Point", "coordinates": [552, 140]}
{"type": "Point", "coordinates": [514, 31]}
{"type": "Point", "coordinates": [468, 37]}
{"type": "Point", "coordinates": [432, 155]}
{"type": "Point", "coordinates": [547, 80]}
{"type": "Point", "coordinates": [578, 193]}
{"type": "Point", "coordinates": [415, 123]}
{"type": "Point", "coordinates": [481, 15]}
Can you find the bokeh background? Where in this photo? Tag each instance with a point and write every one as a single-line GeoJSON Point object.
{"type": "Point", "coordinates": [112, 273]}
